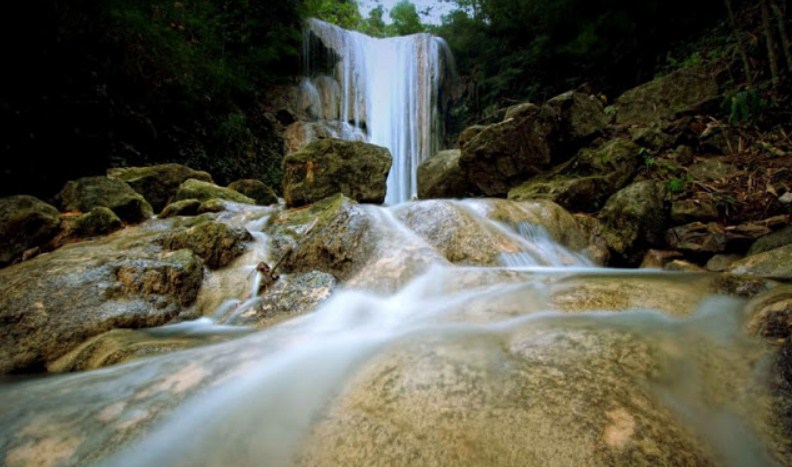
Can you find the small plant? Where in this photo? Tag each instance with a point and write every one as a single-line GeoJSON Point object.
{"type": "Point", "coordinates": [744, 107]}
{"type": "Point", "coordinates": [677, 184]}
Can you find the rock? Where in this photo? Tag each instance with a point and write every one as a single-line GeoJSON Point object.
{"type": "Point", "coordinates": [449, 228]}
{"type": "Point", "coordinates": [292, 295]}
{"type": "Point", "coordinates": [770, 315]}
{"type": "Point", "coordinates": [658, 259]}
{"type": "Point", "coordinates": [634, 219]}
{"type": "Point", "coordinates": [331, 166]}
{"type": "Point", "coordinates": [87, 193]}
{"type": "Point", "coordinates": [721, 262]}
{"type": "Point", "coordinates": [215, 242]}
{"type": "Point", "coordinates": [516, 111]}
{"type": "Point", "coordinates": [501, 156]}
{"type": "Point", "coordinates": [25, 222]}
{"type": "Point", "coordinates": [582, 116]}
{"type": "Point", "coordinates": [212, 205]}
{"type": "Point", "coordinates": [680, 265]}
{"type": "Point", "coordinates": [203, 191]}
{"type": "Point", "coordinates": [712, 169]}
{"type": "Point", "coordinates": [651, 102]}
{"type": "Point", "coordinates": [584, 183]}
{"type": "Point", "coordinates": [774, 264]}
{"type": "Point", "coordinates": [52, 303]}
{"type": "Point", "coordinates": [469, 133]}
{"type": "Point", "coordinates": [257, 190]}
{"type": "Point", "coordinates": [685, 211]}
{"type": "Point", "coordinates": [786, 198]}
{"type": "Point", "coordinates": [441, 177]}
{"type": "Point", "coordinates": [771, 241]}
{"type": "Point", "coordinates": [158, 183]}
{"type": "Point", "coordinates": [185, 207]}
{"type": "Point", "coordinates": [698, 237]}
{"type": "Point", "coordinates": [100, 221]}
{"type": "Point", "coordinates": [597, 248]}
{"type": "Point", "coordinates": [300, 134]}
{"type": "Point", "coordinates": [652, 137]}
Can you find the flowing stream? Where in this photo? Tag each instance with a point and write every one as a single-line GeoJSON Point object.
{"type": "Point", "coordinates": [538, 359]}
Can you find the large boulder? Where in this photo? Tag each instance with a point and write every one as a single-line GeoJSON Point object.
{"type": "Point", "coordinates": [634, 219]}
{"type": "Point", "coordinates": [651, 102]}
{"type": "Point", "coordinates": [87, 193]}
{"type": "Point", "coordinates": [772, 241]}
{"type": "Point", "coordinates": [25, 222]}
{"type": "Point", "coordinates": [503, 155]}
{"type": "Point", "coordinates": [99, 221]}
{"type": "Point", "coordinates": [204, 191]}
{"type": "Point", "coordinates": [215, 242]}
{"type": "Point", "coordinates": [330, 166]}
{"type": "Point", "coordinates": [157, 183]}
{"type": "Point", "coordinates": [581, 116]}
{"type": "Point", "coordinates": [53, 302]}
{"type": "Point", "coordinates": [698, 237]}
{"type": "Point", "coordinates": [255, 189]}
{"type": "Point", "coordinates": [441, 177]}
{"type": "Point", "coordinates": [775, 264]}
{"type": "Point", "coordinates": [585, 182]}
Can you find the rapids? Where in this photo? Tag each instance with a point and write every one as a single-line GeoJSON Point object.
{"type": "Point", "coordinates": [540, 358]}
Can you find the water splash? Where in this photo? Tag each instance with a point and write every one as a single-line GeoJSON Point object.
{"type": "Point", "coordinates": [389, 87]}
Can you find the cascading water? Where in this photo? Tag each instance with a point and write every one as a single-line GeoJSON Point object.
{"type": "Point", "coordinates": [390, 88]}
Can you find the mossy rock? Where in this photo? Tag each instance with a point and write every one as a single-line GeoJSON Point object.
{"type": "Point", "coordinates": [441, 177]}
{"type": "Point", "coordinates": [255, 189]}
{"type": "Point", "coordinates": [184, 207]}
{"type": "Point", "coordinates": [772, 241]}
{"type": "Point", "coordinates": [87, 193]}
{"type": "Point", "coordinates": [653, 101]}
{"type": "Point", "coordinates": [635, 219]}
{"type": "Point", "coordinates": [157, 183]}
{"type": "Point", "coordinates": [25, 222]}
{"type": "Point", "coordinates": [330, 166]}
{"type": "Point", "coordinates": [215, 242]}
{"type": "Point", "coordinates": [202, 191]}
{"type": "Point", "coordinates": [100, 221]}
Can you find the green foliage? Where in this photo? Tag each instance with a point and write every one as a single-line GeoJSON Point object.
{"type": "Point", "coordinates": [678, 184]}
{"type": "Point", "coordinates": [343, 13]}
{"type": "Point", "coordinates": [374, 25]}
{"type": "Point", "coordinates": [744, 107]}
{"type": "Point", "coordinates": [534, 49]}
{"type": "Point", "coordinates": [405, 19]}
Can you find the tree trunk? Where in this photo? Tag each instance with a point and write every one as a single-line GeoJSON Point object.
{"type": "Point", "coordinates": [740, 48]}
{"type": "Point", "coordinates": [768, 32]}
{"type": "Point", "coordinates": [785, 45]}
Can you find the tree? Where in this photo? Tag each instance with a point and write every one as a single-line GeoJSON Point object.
{"type": "Point", "coordinates": [374, 25]}
{"type": "Point", "coordinates": [406, 19]}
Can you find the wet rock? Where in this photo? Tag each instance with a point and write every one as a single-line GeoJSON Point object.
{"type": "Point", "coordinates": [100, 221]}
{"type": "Point", "coordinates": [185, 207]}
{"type": "Point", "coordinates": [559, 224]}
{"type": "Point", "coordinates": [501, 156]}
{"type": "Point", "coordinates": [212, 205]}
{"type": "Point", "coordinates": [255, 189]}
{"type": "Point", "coordinates": [25, 222]}
{"type": "Point", "coordinates": [775, 264]}
{"type": "Point", "coordinates": [658, 259]}
{"type": "Point", "coordinates": [770, 315]}
{"type": "Point", "coordinates": [215, 242]}
{"type": "Point", "coordinates": [87, 193]}
{"type": "Point", "coordinates": [588, 180]}
{"type": "Point", "coordinates": [300, 134]}
{"type": "Point", "coordinates": [158, 183]}
{"type": "Point", "coordinates": [663, 97]}
{"type": "Point", "coordinates": [685, 211]}
{"type": "Point", "coordinates": [332, 235]}
{"type": "Point", "coordinates": [441, 177]}
{"type": "Point", "coordinates": [324, 168]}
{"type": "Point", "coordinates": [292, 295]}
{"type": "Point", "coordinates": [698, 237]}
{"type": "Point", "coordinates": [52, 303]}
{"type": "Point", "coordinates": [680, 265]}
{"type": "Point", "coordinates": [596, 247]}
{"type": "Point", "coordinates": [634, 219]}
{"type": "Point", "coordinates": [771, 241]}
{"type": "Point", "coordinates": [449, 228]}
{"type": "Point", "coordinates": [204, 191]}
{"type": "Point", "coordinates": [721, 262]}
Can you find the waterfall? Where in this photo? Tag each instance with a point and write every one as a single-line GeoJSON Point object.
{"type": "Point", "coordinates": [390, 88]}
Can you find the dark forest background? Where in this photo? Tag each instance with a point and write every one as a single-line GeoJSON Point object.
{"type": "Point", "coordinates": [92, 84]}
